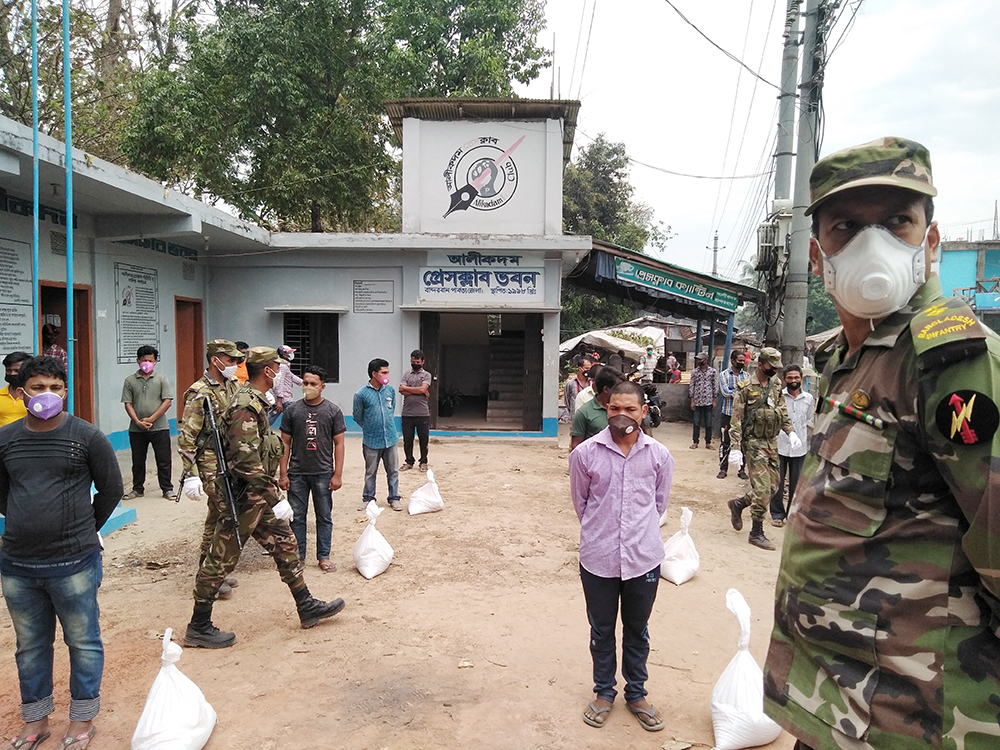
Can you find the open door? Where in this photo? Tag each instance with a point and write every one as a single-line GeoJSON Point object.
{"type": "Point", "coordinates": [430, 345]}
{"type": "Point", "coordinates": [189, 340]}
{"type": "Point", "coordinates": [534, 355]}
{"type": "Point", "coordinates": [53, 310]}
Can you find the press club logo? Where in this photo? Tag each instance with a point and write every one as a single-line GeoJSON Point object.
{"type": "Point", "coordinates": [481, 175]}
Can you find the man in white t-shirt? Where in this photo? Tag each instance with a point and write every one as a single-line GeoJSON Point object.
{"type": "Point", "coordinates": [801, 408]}
{"type": "Point", "coordinates": [647, 365]}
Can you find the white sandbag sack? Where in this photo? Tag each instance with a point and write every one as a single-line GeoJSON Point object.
{"type": "Point", "coordinates": [738, 717]}
{"type": "Point", "coordinates": [427, 498]}
{"type": "Point", "coordinates": [176, 715]}
{"type": "Point", "coordinates": [372, 553]}
{"type": "Point", "coordinates": [681, 559]}
{"type": "Point", "coordinates": [663, 518]}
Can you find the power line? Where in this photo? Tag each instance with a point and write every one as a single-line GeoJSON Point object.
{"type": "Point", "coordinates": [576, 52]}
{"type": "Point", "coordinates": [731, 56]}
{"type": "Point", "coordinates": [586, 50]}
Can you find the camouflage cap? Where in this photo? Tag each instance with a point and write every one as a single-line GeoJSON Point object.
{"type": "Point", "coordinates": [889, 161]}
{"type": "Point", "coordinates": [770, 356]}
{"type": "Point", "coordinates": [222, 346]}
{"type": "Point", "coordinates": [262, 355]}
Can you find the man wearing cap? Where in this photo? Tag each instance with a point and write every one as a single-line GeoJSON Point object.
{"type": "Point", "coordinates": [195, 442]}
{"type": "Point", "coordinates": [729, 379]}
{"type": "Point", "coordinates": [647, 365]}
{"type": "Point", "coordinates": [703, 391]}
{"type": "Point", "coordinates": [50, 340]}
{"type": "Point", "coordinates": [253, 451]}
{"type": "Point", "coordinates": [759, 414]}
{"type": "Point", "coordinates": [887, 616]}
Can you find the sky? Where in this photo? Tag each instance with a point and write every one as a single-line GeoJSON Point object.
{"type": "Point", "coordinates": [926, 70]}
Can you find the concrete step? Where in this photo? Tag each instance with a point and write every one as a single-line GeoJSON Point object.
{"type": "Point", "coordinates": [498, 380]}
{"type": "Point", "coordinates": [505, 412]}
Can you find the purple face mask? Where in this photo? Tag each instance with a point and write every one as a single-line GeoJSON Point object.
{"type": "Point", "coordinates": [45, 405]}
{"type": "Point", "coordinates": [147, 366]}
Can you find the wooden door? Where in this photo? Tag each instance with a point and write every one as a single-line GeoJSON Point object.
{"type": "Point", "coordinates": [189, 341]}
{"type": "Point", "coordinates": [534, 357]}
{"type": "Point", "coordinates": [53, 302]}
{"type": "Point", "coordinates": [430, 345]}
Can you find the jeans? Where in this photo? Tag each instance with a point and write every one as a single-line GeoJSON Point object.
{"type": "Point", "coordinates": [422, 426]}
{"type": "Point", "coordinates": [793, 466]}
{"type": "Point", "coordinates": [299, 487]}
{"type": "Point", "coordinates": [140, 442]}
{"type": "Point", "coordinates": [703, 416]}
{"type": "Point", "coordinates": [34, 604]}
{"type": "Point", "coordinates": [390, 459]}
{"type": "Point", "coordinates": [602, 596]}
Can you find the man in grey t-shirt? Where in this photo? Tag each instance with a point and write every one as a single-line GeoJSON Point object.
{"type": "Point", "coordinates": [416, 388]}
{"type": "Point", "coordinates": [313, 432]}
{"type": "Point", "coordinates": [147, 396]}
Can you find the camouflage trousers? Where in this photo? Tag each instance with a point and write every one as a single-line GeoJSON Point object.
{"type": "Point", "coordinates": [761, 457]}
{"type": "Point", "coordinates": [216, 506]}
{"type": "Point", "coordinates": [257, 521]}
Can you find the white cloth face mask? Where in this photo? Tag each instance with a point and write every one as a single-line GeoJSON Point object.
{"type": "Point", "coordinates": [875, 273]}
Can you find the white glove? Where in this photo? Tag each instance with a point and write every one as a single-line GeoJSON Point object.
{"type": "Point", "coordinates": [793, 441]}
{"type": "Point", "coordinates": [736, 457]}
{"type": "Point", "coordinates": [283, 511]}
{"type": "Point", "coordinates": [193, 487]}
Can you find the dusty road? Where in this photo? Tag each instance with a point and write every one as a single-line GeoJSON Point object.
{"type": "Point", "coordinates": [476, 636]}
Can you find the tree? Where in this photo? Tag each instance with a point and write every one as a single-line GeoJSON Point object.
{"type": "Point", "coordinates": [821, 315]}
{"type": "Point", "coordinates": [277, 106]}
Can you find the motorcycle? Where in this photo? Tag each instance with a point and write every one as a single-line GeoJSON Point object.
{"type": "Point", "coordinates": [654, 404]}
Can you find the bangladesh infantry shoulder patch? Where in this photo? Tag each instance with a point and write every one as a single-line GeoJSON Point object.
{"type": "Point", "coordinates": [967, 417]}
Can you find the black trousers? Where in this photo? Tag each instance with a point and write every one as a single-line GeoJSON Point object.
{"type": "Point", "coordinates": [702, 416]}
{"type": "Point", "coordinates": [140, 442]}
{"type": "Point", "coordinates": [422, 426]}
{"type": "Point", "coordinates": [793, 467]}
{"type": "Point", "coordinates": [602, 596]}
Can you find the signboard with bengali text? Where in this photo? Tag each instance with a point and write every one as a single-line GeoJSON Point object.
{"type": "Point", "coordinates": [639, 273]}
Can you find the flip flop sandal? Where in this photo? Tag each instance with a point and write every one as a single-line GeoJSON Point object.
{"type": "Point", "coordinates": [600, 712]}
{"type": "Point", "coordinates": [647, 724]}
{"type": "Point", "coordinates": [79, 742]}
{"type": "Point", "coordinates": [30, 742]}
{"type": "Point", "coordinates": [327, 566]}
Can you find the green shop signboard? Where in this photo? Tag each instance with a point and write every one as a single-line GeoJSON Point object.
{"type": "Point", "coordinates": [638, 273]}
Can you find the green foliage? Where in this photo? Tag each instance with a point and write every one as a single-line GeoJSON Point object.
{"type": "Point", "coordinates": [597, 199]}
{"type": "Point", "coordinates": [635, 338]}
{"type": "Point", "coordinates": [277, 106]}
{"type": "Point", "coordinates": [583, 311]}
{"type": "Point", "coordinates": [821, 315]}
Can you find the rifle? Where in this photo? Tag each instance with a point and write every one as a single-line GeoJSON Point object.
{"type": "Point", "coordinates": [223, 470]}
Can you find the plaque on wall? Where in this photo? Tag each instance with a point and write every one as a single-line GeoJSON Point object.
{"type": "Point", "coordinates": [374, 296]}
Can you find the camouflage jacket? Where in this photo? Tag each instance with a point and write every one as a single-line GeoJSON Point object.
{"type": "Point", "coordinates": [253, 449]}
{"type": "Point", "coordinates": [887, 609]}
{"type": "Point", "coordinates": [759, 411]}
{"type": "Point", "coordinates": [194, 438]}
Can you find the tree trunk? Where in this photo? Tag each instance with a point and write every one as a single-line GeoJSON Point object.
{"type": "Point", "coordinates": [317, 220]}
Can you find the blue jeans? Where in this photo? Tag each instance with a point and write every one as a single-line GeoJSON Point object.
{"type": "Point", "coordinates": [34, 604]}
{"type": "Point", "coordinates": [390, 459]}
{"type": "Point", "coordinates": [299, 487]}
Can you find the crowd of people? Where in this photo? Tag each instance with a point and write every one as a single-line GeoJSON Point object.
{"type": "Point", "coordinates": [886, 626]}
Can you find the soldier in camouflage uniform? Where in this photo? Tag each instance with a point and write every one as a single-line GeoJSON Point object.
{"type": "Point", "coordinates": [253, 451]}
{"type": "Point", "coordinates": [759, 414]}
{"type": "Point", "coordinates": [887, 612]}
{"type": "Point", "coordinates": [194, 438]}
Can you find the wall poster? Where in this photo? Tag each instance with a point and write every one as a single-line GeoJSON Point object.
{"type": "Point", "coordinates": [137, 310]}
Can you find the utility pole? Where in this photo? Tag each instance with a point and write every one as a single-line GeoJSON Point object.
{"type": "Point", "coordinates": [715, 254]}
{"type": "Point", "coordinates": [810, 90]}
{"type": "Point", "coordinates": [996, 223]}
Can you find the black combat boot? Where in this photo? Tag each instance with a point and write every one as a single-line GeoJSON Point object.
{"type": "Point", "coordinates": [201, 633]}
{"type": "Point", "coordinates": [757, 538]}
{"type": "Point", "coordinates": [736, 509]}
{"type": "Point", "coordinates": [312, 610]}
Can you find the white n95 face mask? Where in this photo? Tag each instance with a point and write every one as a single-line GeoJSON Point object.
{"type": "Point", "coordinates": [875, 273]}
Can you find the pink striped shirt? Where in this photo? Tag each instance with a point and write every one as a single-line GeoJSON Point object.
{"type": "Point", "coordinates": [619, 500]}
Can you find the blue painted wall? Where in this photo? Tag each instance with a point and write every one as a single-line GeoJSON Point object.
{"type": "Point", "coordinates": [958, 269]}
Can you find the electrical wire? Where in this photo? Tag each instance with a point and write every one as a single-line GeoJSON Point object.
{"type": "Point", "coordinates": [576, 52]}
{"type": "Point", "coordinates": [731, 56]}
{"type": "Point", "coordinates": [586, 50]}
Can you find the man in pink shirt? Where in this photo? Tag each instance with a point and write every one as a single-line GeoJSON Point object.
{"type": "Point", "coordinates": [620, 485]}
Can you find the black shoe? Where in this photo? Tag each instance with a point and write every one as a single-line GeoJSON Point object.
{"type": "Point", "coordinates": [208, 636]}
{"type": "Point", "coordinates": [736, 510]}
{"type": "Point", "coordinates": [742, 474]}
{"type": "Point", "coordinates": [757, 538]}
{"type": "Point", "coordinates": [313, 610]}
{"type": "Point", "coordinates": [721, 474]}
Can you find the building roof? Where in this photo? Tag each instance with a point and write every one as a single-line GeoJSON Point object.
{"type": "Point", "coordinates": [487, 109]}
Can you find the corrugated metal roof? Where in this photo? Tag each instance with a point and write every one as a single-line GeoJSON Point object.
{"type": "Point", "coordinates": [487, 109]}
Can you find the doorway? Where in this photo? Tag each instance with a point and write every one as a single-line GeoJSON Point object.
{"type": "Point", "coordinates": [189, 341]}
{"type": "Point", "coordinates": [53, 311]}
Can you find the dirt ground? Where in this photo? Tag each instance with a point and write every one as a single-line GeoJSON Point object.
{"type": "Point", "coordinates": [476, 636]}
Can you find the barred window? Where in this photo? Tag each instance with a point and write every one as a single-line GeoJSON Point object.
{"type": "Point", "coordinates": [316, 340]}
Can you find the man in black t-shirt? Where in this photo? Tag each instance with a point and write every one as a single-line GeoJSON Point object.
{"type": "Point", "coordinates": [313, 432]}
{"type": "Point", "coordinates": [50, 565]}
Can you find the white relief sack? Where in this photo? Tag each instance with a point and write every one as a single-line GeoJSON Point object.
{"type": "Point", "coordinates": [427, 498]}
{"type": "Point", "coordinates": [738, 717]}
{"type": "Point", "coordinates": [176, 715]}
{"type": "Point", "coordinates": [372, 553]}
{"type": "Point", "coordinates": [681, 559]}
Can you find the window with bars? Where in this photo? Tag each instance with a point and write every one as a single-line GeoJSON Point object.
{"type": "Point", "coordinates": [316, 340]}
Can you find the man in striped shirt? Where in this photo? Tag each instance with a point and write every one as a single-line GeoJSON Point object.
{"type": "Point", "coordinates": [374, 411]}
{"type": "Point", "coordinates": [728, 380]}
